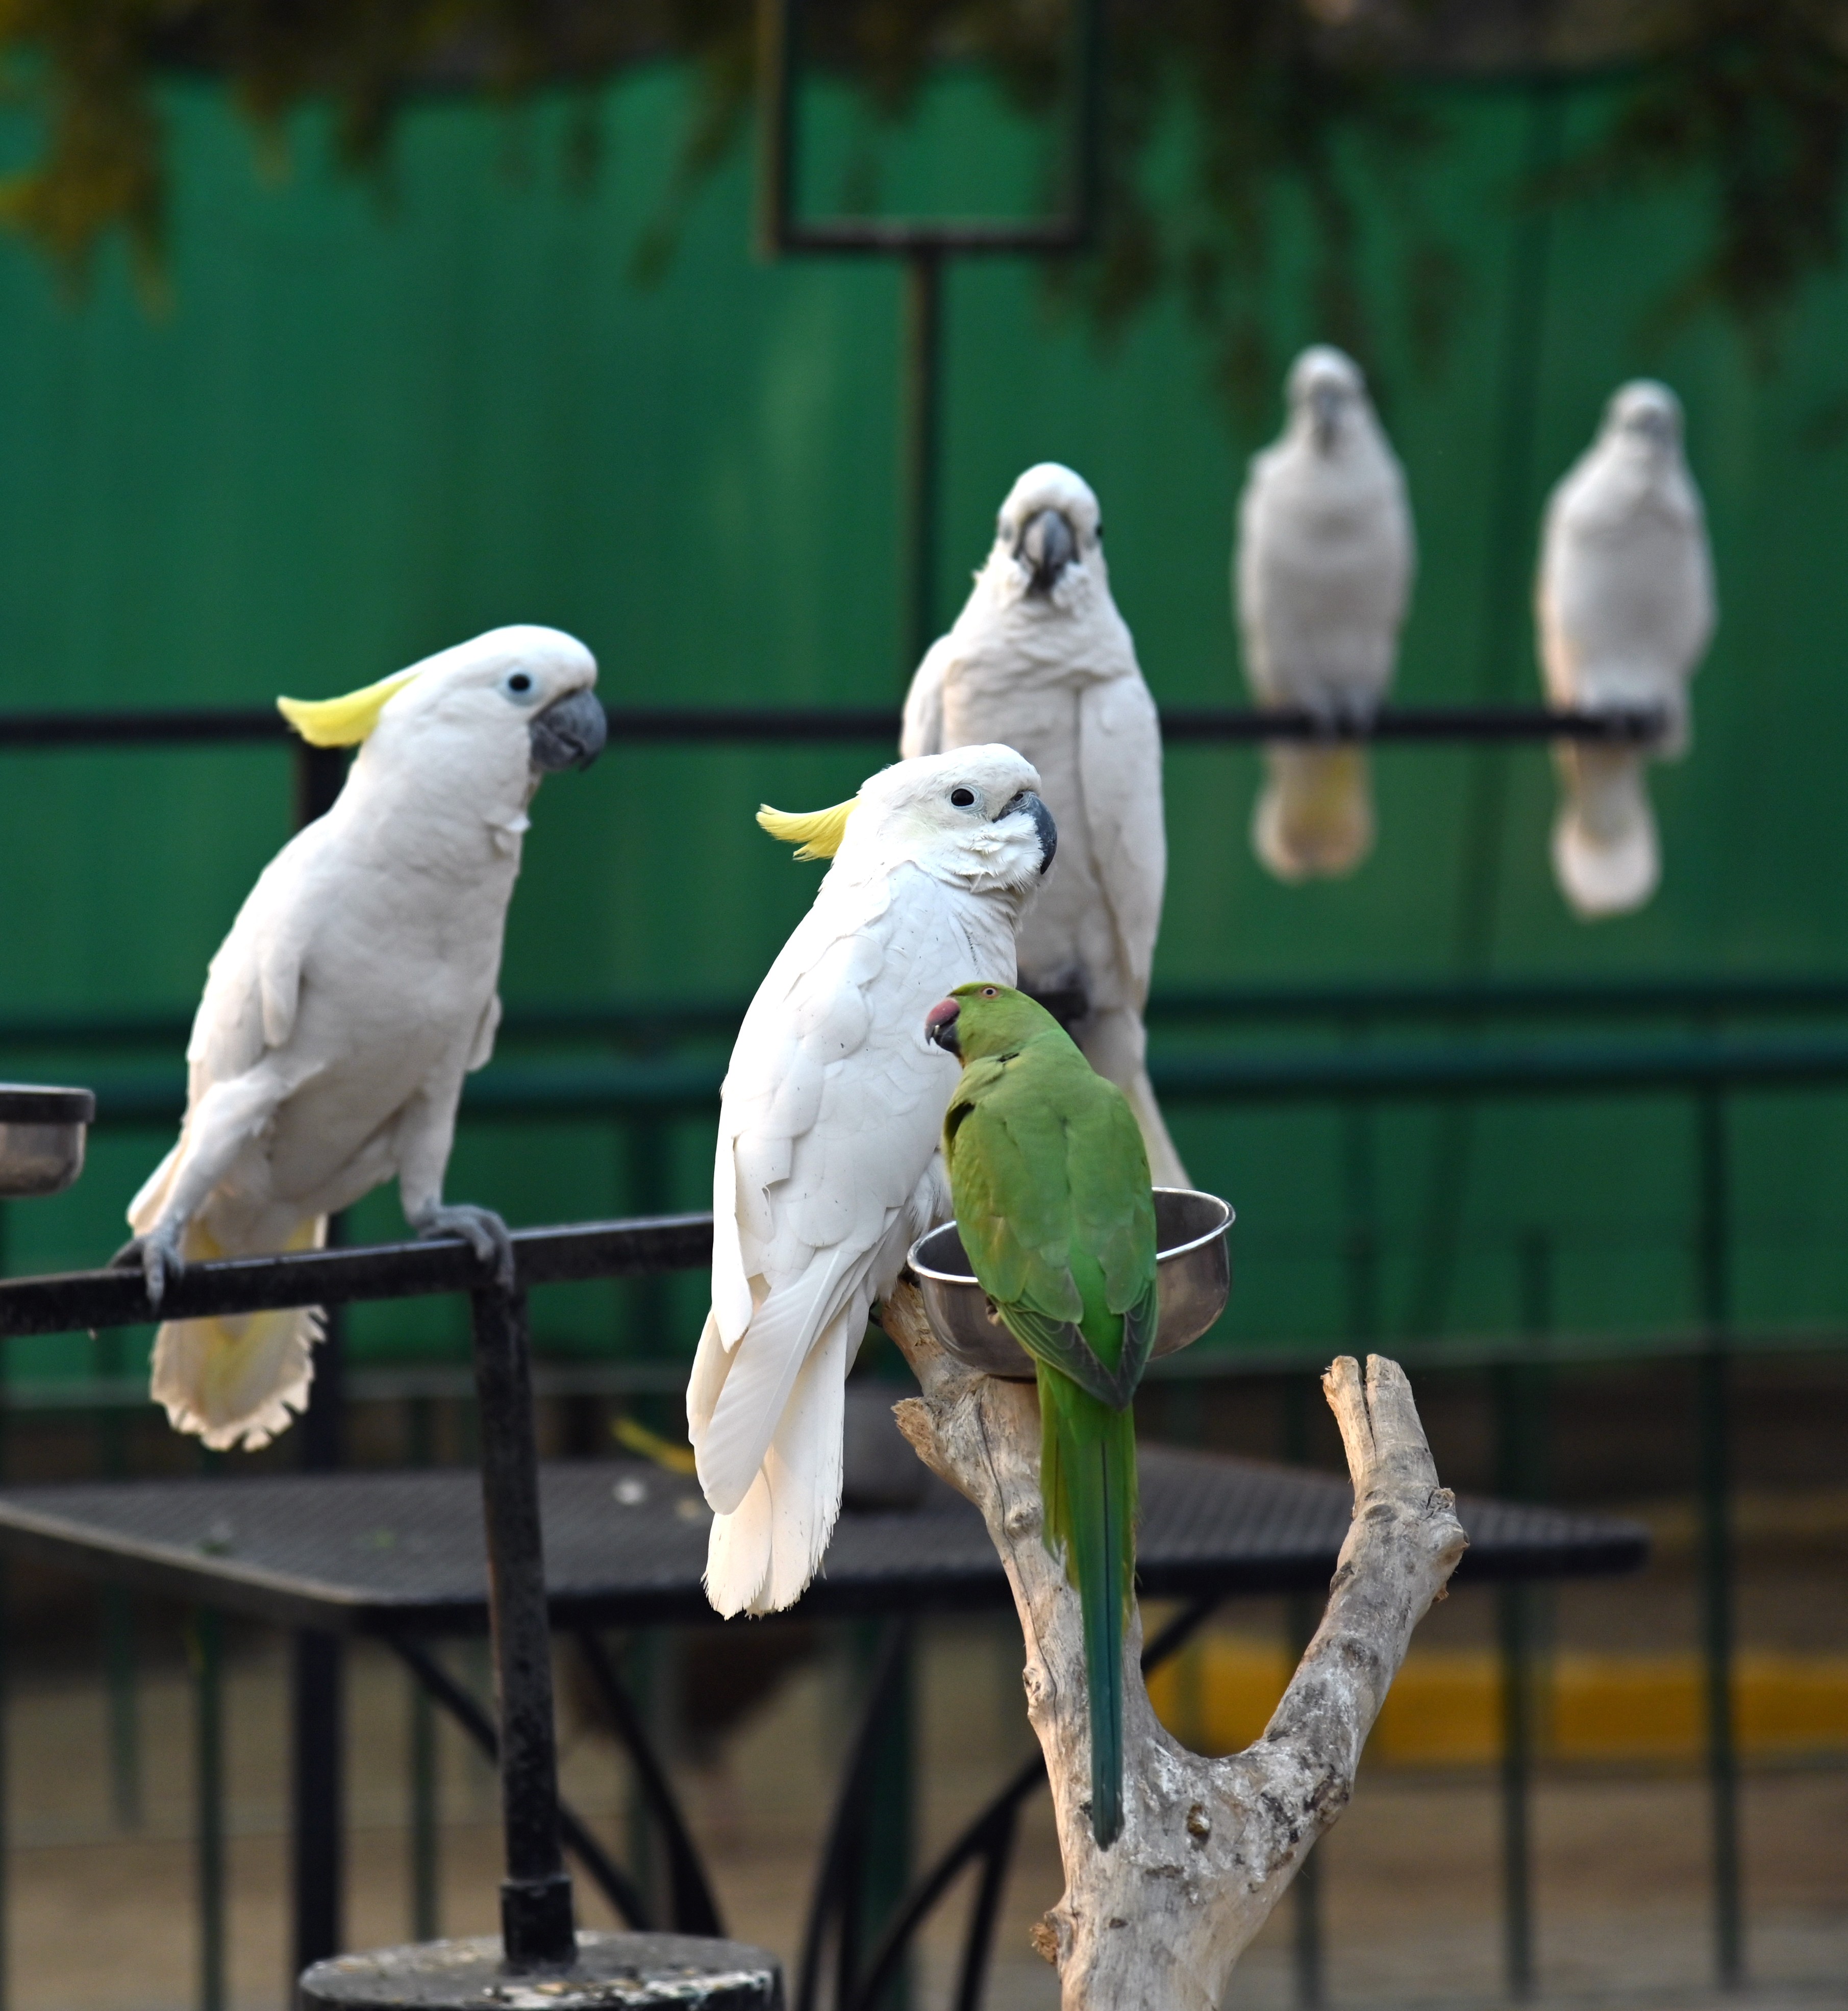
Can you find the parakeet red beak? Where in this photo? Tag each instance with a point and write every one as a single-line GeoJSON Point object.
{"type": "Point", "coordinates": [940, 1027]}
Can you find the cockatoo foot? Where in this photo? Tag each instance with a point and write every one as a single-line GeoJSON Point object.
{"type": "Point", "coordinates": [157, 1256]}
{"type": "Point", "coordinates": [480, 1228]}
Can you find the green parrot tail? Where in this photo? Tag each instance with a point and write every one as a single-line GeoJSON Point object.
{"type": "Point", "coordinates": [1088, 1484]}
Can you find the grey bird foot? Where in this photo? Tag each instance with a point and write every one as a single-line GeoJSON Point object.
{"type": "Point", "coordinates": [480, 1228]}
{"type": "Point", "coordinates": [156, 1257]}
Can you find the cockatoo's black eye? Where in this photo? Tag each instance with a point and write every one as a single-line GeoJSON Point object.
{"type": "Point", "coordinates": [519, 681]}
{"type": "Point", "coordinates": [1100, 534]}
{"type": "Point", "coordinates": [962, 798]}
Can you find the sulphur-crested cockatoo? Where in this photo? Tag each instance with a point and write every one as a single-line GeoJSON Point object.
{"type": "Point", "coordinates": [1320, 580]}
{"type": "Point", "coordinates": [1624, 604]}
{"type": "Point", "coordinates": [355, 991]}
{"type": "Point", "coordinates": [1040, 659]}
{"type": "Point", "coordinates": [827, 1167]}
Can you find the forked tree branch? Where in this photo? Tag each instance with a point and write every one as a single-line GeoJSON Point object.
{"type": "Point", "coordinates": [1158, 1920]}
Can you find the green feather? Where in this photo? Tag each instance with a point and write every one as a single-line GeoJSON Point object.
{"type": "Point", "coordinates": [1050, 1182]}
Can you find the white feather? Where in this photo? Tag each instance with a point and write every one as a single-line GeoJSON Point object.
{"type": "Point", "coordinates": [1055, 674]}
{"type": "Point", "coordinates": [825, 1170]}
{"type": "Point", "coordinates": [1321, 578]}
{"type": "Point", "coordinates": [1624, 607]}
{"type": "Point", "coordinates": [354, 991]}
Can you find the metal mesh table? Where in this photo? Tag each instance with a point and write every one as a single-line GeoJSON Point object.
{"type": "Point", "coordinates": [392, 1554]}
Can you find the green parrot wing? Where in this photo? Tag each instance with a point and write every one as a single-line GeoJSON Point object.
{"type": "Point", "coordinates": [1014, 1206]}
{"type": "Point", "coordinates": [1038, 1170]}
{"type": "Point", "coordinates": [1113, 1205]}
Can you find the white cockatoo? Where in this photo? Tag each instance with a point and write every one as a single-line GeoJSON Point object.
{"type": "Point", "coordinates": [1041, 660]}
{"type": "Point", "coordinates": [827, 1168]}
{"type": "Point", "coordinates": [355, 991]}
{"type": "Point", "coordinates": [1624, 605]}
{"type": "Point", "coordinates": [1320, 581]}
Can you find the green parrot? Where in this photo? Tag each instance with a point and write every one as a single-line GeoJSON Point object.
{"type": "Point", "coordinates": [1050, 1182]}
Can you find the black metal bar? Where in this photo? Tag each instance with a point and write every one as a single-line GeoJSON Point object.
{"type": "Point", "coordinates": [82, 1299]}
{"type": "Point", "coordinates": [696, 1912]}
{"type": "Point", "coordinates": [172, 727]}
{"type": "Point", "coordinates": [208, 1784]}
{"type": "Point", "coordinates": [1713, 1371]}
{"type": "Point", "coordinates": [318, 1717]}
{"type": "Point", "coordinates": [614, 1883]}
{"type": "Point", "coordinates": [317, 1680]}
{"type": "Point", "coordinates": [537, 1926]}
{"type": "Point", "coordinates": [922, 394]}
{"type": "Point", "coordinates": [703, 725]}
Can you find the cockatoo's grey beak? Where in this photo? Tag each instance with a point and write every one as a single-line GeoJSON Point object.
{"type": "Point", "coordinates": [570, 733]}
{"type": "Point", "coordinates": [1047, 546]}
{"type": "Point", "coordinates": [1324, 414]}
{"type": "Point", "coordinates": [1042, 822]}
{"type": "Point", "coordinates": [940, 1027]}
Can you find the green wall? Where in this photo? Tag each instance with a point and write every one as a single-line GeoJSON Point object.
{"type": "Point", "coordinates": [372, 420]}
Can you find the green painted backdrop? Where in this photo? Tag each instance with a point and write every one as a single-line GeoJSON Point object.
{"type": "Point", "coordinates": [374, 419]}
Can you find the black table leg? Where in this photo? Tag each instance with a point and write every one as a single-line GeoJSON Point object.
{"type": "Point", "coordinates": [318, 1787]}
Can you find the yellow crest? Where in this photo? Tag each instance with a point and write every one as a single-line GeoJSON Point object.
{"type": "Point", "coordinates": [343, 722]}
{"type": "Point", "coordinates": [816, 834]}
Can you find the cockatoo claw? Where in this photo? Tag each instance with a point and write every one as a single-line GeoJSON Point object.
{"type": "Point", "coordinates": [481, 1229]}
{"type": "Point", "coordinates": [156, 1257]}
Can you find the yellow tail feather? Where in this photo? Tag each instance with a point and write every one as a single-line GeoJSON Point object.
{"type": "Point", "coordinates": [817, 834]}
{"type": "Point", "coordinates": [238, 1380]}
{"type": "Point", "coordinates": [343, 722]}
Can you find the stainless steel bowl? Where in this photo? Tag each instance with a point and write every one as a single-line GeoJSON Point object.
{"type": "Point", "coordinates": [41, 1137]}
{"type": "Point", "coordinates": [1193, 1268]}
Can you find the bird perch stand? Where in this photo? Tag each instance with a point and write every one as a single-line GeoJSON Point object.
{"type": "Point", "coordinates": [1159, 1920]}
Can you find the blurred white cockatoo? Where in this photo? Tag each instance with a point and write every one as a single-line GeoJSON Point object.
{"type": "Point", "coordinates": [1041, 660]}
{"type": "Point", "coordinates": [1320, 581]}
{"type": "Point", "coordinates": [355, 991]}
{"type": "Point", "coordinates": [1624, 605]}
{"type": "Point", "coordinates": [827, 1167]}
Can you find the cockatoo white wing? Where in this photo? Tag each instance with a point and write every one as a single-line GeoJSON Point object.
{"type": "Point", "coordinates": [1120, 764]}
{"type": "Point", "coordinates": [832, 1111]}
{"type": "Point", "coordinates": [921, 731]}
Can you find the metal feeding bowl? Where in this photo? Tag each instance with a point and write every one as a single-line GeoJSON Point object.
{"type": "Point", "coordinates": [41, 1137]}
{"type": "Point", "coordinates": [1193, 1269]}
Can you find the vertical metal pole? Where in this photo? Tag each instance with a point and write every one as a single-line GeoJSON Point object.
{"type": "Point", "coordinates": [923, 447]}
{"type": "Point", "coordinates": [209, 1791]}
{"type": "Point", "coordinates": [120, 1677]}
{"type": "Point", "coordinates": [317, 1680]}
{"type": "Point", "coordinates": [1713, 1259]}
{"type": "Point", "coordinates": [425, 1861]}
{"type": "Point", "coordinates": [317, 1675]}
{"type": "Point", "coordinates": [536, 1898]}
{"type": "Point", "coordinates": [1520, 1397]}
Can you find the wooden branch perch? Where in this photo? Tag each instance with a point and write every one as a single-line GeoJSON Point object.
{"type": "Point", "coordinates": [1208, 1846]}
